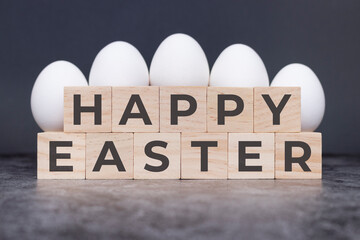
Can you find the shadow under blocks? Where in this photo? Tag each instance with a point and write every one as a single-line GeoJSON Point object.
{"type": "Point", "coordinates": [180, 133]}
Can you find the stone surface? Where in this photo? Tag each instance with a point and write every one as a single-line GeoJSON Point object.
{"type": "Point", "coordinates": [179, 209]}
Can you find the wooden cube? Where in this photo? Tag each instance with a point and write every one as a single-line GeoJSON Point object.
{"type": "Point", "coordinates": [109, 156]}
{"type": "Point", "coordinates": [277, 109]}
{"type": "Point", "coordinates": [183, 109]}
{"type": "Point", "coordinates": [157, 155]}
{"type": "Point", "coordinates": [87, 109]}
{"type": "Point", "coordinates": [203, 155]}
{"type": "Point", "coordinates": [298, 155]}
{"type": "Point", "coordinates": [61, 155]}
{"type": "Point", "coordinates": [135, 109]}
{"type": "Point", "coordinates": [251, 156]}
{"type": "Point", "coordinates": [229, 109]}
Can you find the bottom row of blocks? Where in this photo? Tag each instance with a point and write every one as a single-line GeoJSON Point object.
{"type": "Point", "coordinates": [179, 155]}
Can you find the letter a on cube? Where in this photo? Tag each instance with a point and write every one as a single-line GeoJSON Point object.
{"type": "Point", "coordinates": [135, 109]}
{"type": "Point", "coordinates": [109, 156]}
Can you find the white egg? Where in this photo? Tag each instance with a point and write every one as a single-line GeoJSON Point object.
{"type": "Point", "coordinates": [47, 96]}
{"type": "Point", "coordinates": [119, 64]}
{"type": "Point", "coordinates": [312, 93]}
{"type": "Point", "coordinates": [239, 66]}
{"type": "Point", "coordinates": [179, 61]}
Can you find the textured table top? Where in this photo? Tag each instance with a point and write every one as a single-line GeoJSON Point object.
{"type": "Point", "coordinates": [174, 209]}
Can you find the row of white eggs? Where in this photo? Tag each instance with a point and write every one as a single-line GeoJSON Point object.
{"type": "Point", "coordinates": [178, 61]}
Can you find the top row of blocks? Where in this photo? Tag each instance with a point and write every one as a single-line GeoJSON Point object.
{"type": "Point", "coordinates": [182, 109]}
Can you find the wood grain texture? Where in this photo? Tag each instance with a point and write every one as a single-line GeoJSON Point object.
{"type": "Point", "coordinates": [313, 139]}
{"type": "Point", "coordinates": [172, 152]}
{"type": "Point", "coordinates": [150, 98]}
{"type": "Point", "coordinates": [240, 123]}
{"type": "Point", "coordinates": [193, 123]}
{"type": "Point", "coordinates": [191, 156]}
{"type": "Point", "coordinates": [76, 151]}
{"type": "Point", "coordinates": [266, 156]}
{"type": "Point", "coordinates": [290, 117]}
{"type": "Point", "coordinates": [123, 143]}
{"type": "Point", "coordinates": [87, 118]}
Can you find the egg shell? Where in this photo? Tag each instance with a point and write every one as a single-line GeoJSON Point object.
{"type": "Point", "coordinates": [119, 64]}
{"type": "Point", "coordinates": [47, 96]}
{"type": "Point", "coordinates": [312, 93]}
{"type": "Point", "coordinates": [239, 66]}
{"type": "Point", "coordinates": [179, 61]}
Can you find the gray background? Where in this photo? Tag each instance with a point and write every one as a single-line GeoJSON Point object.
{"type": "Point", "coordinates": [322, 34]}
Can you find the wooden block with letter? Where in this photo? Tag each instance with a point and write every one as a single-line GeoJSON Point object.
{"type": "Point", "coordinates": [135, 109]}
{"type": "Point", "coordinates": [87, 109]}
{"type": "Point", "coordinates": [157, 155]}
{"type": "Point", "coordinates": [61, 155]}
{"type": "Point", "coordinates": [277, 109]}
{"type": "Point", "coordinates": [109, 156]}
{"type": "Point", "coordinates": [203, 155]}
{"type": "Point", "coordinates": [251, 156]}
{"type": "Point", "coordinates": [298, 155]}
{"type": "Point", "coordinates": [183, 109]}
{"type": "Point", "coordinates": [229, 109]}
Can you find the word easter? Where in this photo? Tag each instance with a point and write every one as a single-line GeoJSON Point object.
{"type": "Point", "coordinates": [180, 133]}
